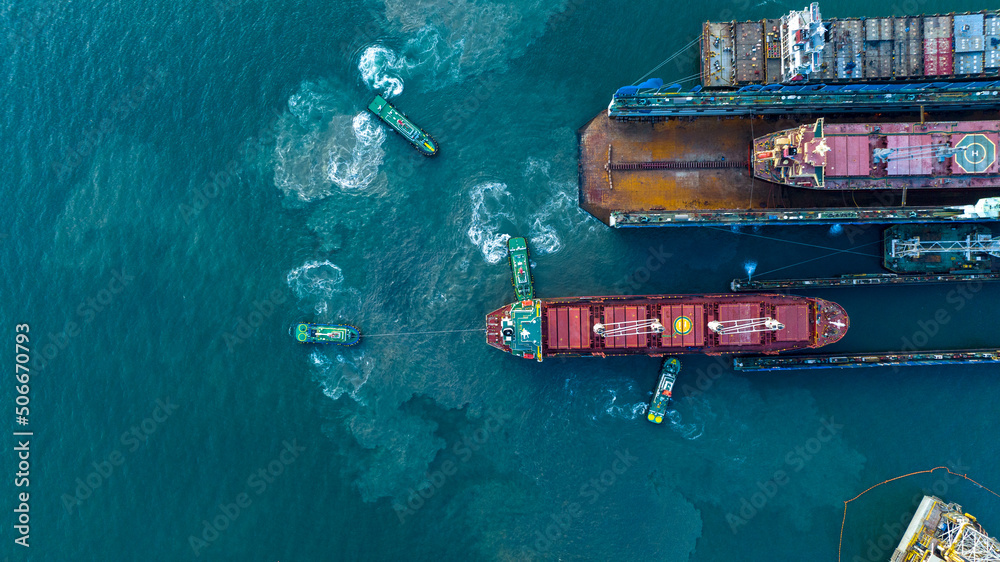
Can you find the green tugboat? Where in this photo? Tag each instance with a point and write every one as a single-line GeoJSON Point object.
{"type": "Point", "coordinates": [668, 374]}
{"type": "Point", "coordinates": [520, 270]}
{"type": "Point", "coordinates": [340, 334]}
{"type": "Point", "coordinates": [402, 125]}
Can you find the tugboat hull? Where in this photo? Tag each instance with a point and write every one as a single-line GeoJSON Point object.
{"type": "Point", "coordinates": [338, 334]}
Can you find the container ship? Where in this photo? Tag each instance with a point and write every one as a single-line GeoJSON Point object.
{"type": "Point", "coordinates": [801, 47]}
{"type": "Point", "coordinates": [664, 325]}
{"type": "Point", "coordinates": [800, 62]}
{"type": "Point", "coordinates": [948, 155]}
{"type": "Point", "coordinates": [691, 160]}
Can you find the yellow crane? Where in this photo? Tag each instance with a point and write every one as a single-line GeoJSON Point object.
{"type": "Point", "coordinates": [940, 531]}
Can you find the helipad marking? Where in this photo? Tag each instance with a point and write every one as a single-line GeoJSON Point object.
{"type": "Point", "coordinates": [977, 153]}
{"type": "Point", "coordinates": [683, 325]}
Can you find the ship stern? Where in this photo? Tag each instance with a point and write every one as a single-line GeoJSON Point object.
{"type": "Point", "coordinates": [517, 329]}
{"type": "Point", "coordinates": [494, 328]}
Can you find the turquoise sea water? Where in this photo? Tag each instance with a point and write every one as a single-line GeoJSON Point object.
{"type": "Point", "coordinates": [187, 179]}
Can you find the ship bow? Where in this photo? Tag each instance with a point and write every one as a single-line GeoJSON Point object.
{"type": "Point", "coordinates": [832, 322]}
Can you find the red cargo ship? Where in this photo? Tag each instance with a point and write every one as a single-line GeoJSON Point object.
{"type": "Point", "coordinates": [940, 155]}
{"type": "Point", "coordinates": [664, 324]}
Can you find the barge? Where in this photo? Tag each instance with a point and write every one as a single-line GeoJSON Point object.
{"type": "Point", "coordinates": [664, 325]}
{"type": "Point", "coordinates": [857, 280]}
{"type": "Point", "coordinates": [855, 360]}
{"type": "Point", "coordinates": [962, 249]}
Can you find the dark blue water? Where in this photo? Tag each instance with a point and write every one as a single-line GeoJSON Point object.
{"type": "Point", "coordinates": [187, 179]}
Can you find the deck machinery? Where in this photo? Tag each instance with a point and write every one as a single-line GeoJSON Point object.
{"type": "Point", "coordinates": [940, 531]}
{"type": "Point", "coordinates": [925, 249]}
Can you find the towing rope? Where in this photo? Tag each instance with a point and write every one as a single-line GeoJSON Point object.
{"type": "Point", "coordinates": [844, 520]}
{"type": "Point", "coordinates": [421, 333]}
{"type": "Point", "coordinates": [675, 165]}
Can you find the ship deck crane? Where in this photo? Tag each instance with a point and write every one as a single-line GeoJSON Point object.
{"type": "Point", "coordinates": [963, 541]}
{"type": "Point", "coordinates": [915, 247]}
{"type": "Point", "coordinates": [745, 326]}
{"type": "Point", "coordinates": [942, 531]}
{"type": "Point", "coordinates": [628, 328]}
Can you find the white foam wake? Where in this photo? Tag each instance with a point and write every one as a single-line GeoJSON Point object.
{"type": "Point", "coordinates": [381, 70]}
{"type": "Point", "coordinates": [559, 212]}
{"type": "Point", "coordinates": [341, 375]}
{"type": "Point", "coordinates": [491, 204]}
{"type": "Point", "coordinates": [316, 279]}
{"type": "Point", "coordinates": [356, 168]}
{"type": "Point", "coordinates": [689, 431]}
{"type": "Point", "coordinates": [623, 410]}
{"type": "Point", "coordinates": [319, 151]}
{"type": "Point", "coordinates": [457, 39]}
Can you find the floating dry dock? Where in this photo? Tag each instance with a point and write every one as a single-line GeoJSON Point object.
{"type": "Point", "coordinates": [665, 157]}
{"type": "Point", "coordinates": [848, 361]}
{"type": "Point", "coordinates": [695, 171]}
